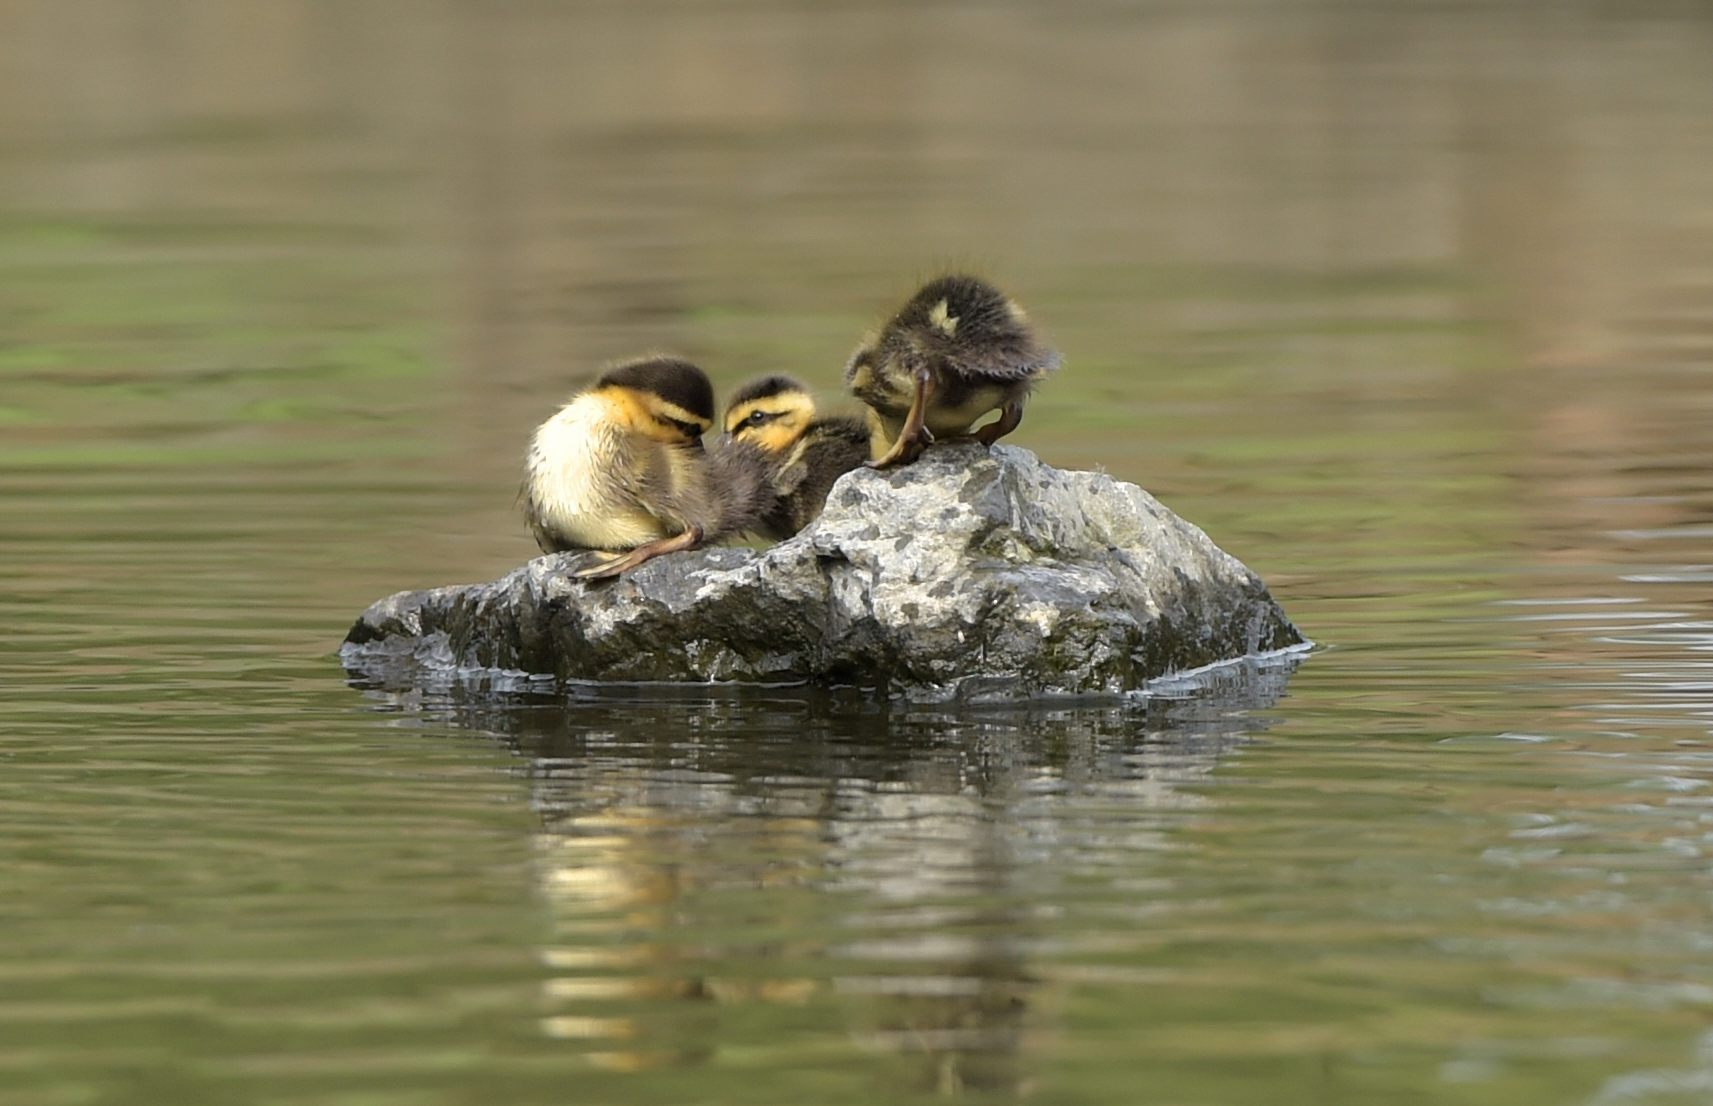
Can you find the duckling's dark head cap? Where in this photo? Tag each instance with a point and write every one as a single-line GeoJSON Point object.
{"type": "Point", "coordinates": [762, 388]}
{"type": "Point", "coordinates": [671, 378]}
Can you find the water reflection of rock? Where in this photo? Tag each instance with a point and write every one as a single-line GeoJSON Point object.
{"type": "Point", "coordinates": [724, 871]}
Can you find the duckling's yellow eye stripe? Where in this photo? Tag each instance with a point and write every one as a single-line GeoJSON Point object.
{"type": "Point", "coordinates": [738, 415]}
{"type": "Point", "coordinates": [759, 412]}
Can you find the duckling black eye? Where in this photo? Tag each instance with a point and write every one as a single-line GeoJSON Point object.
{"type": "Point", "coordinates": [756, 418]}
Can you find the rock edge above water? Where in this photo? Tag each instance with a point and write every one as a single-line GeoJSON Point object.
{"type": "Point", "coordinates": [971, 573]}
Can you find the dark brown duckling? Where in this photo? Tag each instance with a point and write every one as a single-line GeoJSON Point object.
{"type": "Point", "coordinates": [958, 349]}
{"type": "Point", "coordinates": [808, 452]}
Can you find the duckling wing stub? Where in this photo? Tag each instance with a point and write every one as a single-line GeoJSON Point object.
{"type": "Point", "coordinates": [1010, 358]}
{"type": "Point", "coordinates": [790, 476]}
{"type": "Point", "coordinates": [742, 489]}
{"type": "Point", "coordinates": [673, 486]}
{"type": "Point", "coordinates": [832, 450]}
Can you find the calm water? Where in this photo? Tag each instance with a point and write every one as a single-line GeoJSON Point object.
{"type": "Point", "coordinates": [1410, 306]}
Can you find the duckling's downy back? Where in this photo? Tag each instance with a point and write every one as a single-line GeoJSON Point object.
{"type": "Point", "coordinates": [964, 326]}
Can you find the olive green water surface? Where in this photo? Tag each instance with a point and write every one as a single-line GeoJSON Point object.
{"type": "Point", "coordinates": [1410, 306]}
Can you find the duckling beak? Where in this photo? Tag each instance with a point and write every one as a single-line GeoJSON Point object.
{"type": "Point", "coordinates": [696, 444]}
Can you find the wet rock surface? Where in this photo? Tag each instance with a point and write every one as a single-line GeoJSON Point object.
{"type": "Point", "coordinates": [969, 574]}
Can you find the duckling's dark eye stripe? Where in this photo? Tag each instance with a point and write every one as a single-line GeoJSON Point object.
{"type": "Point", "coordinates": [688, 429]}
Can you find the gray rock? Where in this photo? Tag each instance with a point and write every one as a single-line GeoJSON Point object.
{"type": "Point", "coordinates": [969, 574]}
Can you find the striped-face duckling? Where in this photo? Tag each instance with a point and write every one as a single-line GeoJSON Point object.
{"type": "Point", "coordinates": [808, 452]}
{"type": "Point", "coordinates": [957, 350]}
{"type": "Point", "coordinates": [620, 470]}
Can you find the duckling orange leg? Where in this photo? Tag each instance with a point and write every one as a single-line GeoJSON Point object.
{"type": "Point", "coordinates": [623, 563]}
{"type": "Point", "coordinates": [1010, 417]}
{"type": "Point", "coordinates": [915, 437]}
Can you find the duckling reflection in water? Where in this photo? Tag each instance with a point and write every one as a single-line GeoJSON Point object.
{"type": "Point", "coordinates": [621, 471]}
{"type": "Point", "coordinates": [958, 349]}
{"type": "Point", "coordinates": [808, 452]}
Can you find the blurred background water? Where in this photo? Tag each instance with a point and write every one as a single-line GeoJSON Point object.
{"type": "Point", "coordinates": [1409, 305]}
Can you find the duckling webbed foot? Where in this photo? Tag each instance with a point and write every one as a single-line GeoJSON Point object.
{"type": "Point", "coordinates": [915, 436]}
{"type": "Point", "coordinates": [906, 449]}
{"type": "Point", "coordinates": [1010, 417]}
{"type": "Point", "coordinates": [589, 562]}
{"type": "Point", "coordinates": [615, 564]}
